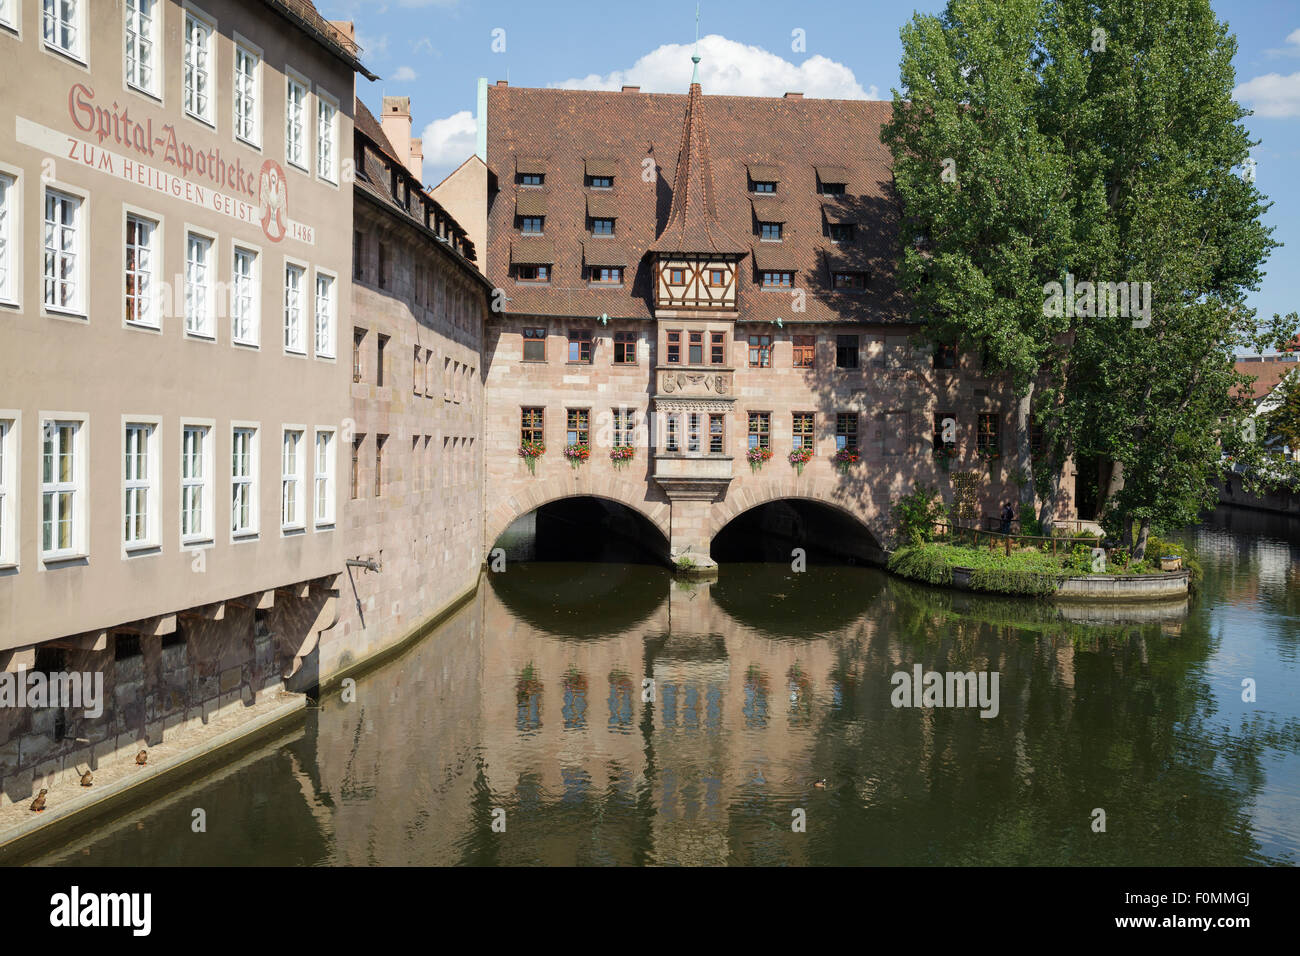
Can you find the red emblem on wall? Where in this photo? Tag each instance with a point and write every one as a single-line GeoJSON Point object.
{"type": "Point", "coordinates": [273, 198]}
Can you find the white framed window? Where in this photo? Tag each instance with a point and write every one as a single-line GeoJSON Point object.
{"type": "Point", "coordinates": [325, 300]}
{"type": "Point", "coordinates": [291, 478]}
{"type": "Point", "coordinates": [294, 278]}
{"type": "Point", "coordinates": [63, 488]}
{"type": "Point", "coordinates": [196, 483]}
{"type": "Point", "coordinates": [326, 138]}
{"type": "Point", "coordinates": [64, 243]}
{"type": "Point", "coordinates": [248, 94]}
{"type": "Point", "coordinates": [197, 93]}
{"type": "Point", "coordinates": [243, 480]}
{"type": "Point", "coordinates": [8, 255]}
{"type": "Point", "coordinates": [245, 296]}
{"type": "Point", "coordinates": [8, 488]}
{"type": "Point", "coordinates": [140, 484]}
{"type": "Point", "coordinates": [199, 264]}
{"type": "Point", "coordinates": [324, 477]}
{"type": "Point", "coordinates": [142, 23]}
{"type": "Point", "coordinates": [63, 26]}
{"type": "Point", "coordinates": [9, 13]}
{"type": "Point", "coordinates": [295, 123]}
{"type": "Point", "coordinates": [141, 266]}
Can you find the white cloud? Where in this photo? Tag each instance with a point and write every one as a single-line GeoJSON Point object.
{"type": "Point", "coordinates": [1292, 47]}
{"type": "Point", "coordinates": [729, 67]}
{"type": "Point", "coordinates": [403, 74]}
{"type": "Point", "coordinates": [448, 142]}
{"type": "Point", "coordinates": [423, 45]}
{"type": "Point", "coordinates": [1271, 94]}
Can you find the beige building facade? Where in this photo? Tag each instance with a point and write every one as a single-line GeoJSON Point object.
{"type": "Point", "coordinates": [175, 290]}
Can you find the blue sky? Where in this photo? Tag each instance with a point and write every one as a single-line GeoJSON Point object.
{"type": "Point", "coordinates": [435, 50]}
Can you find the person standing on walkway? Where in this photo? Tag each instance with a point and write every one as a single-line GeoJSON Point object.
{"type": "Point", "coordinates": [1008, 514]}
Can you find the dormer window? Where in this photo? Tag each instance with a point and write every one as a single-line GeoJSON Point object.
{"type": "Point", "coordinates": [600, 182]}
{"type": "Point", "coordinates": [777, 280]}
{"type": "Point", "coordinates": [764, 187]}
{"type": "Point", "coordinates": [533, 273]}
{"type": "Point", "coordinates": [531, 179]}
{"type": "Point", "coordinates": [602, 227]}
{"type": "Point", "coordinates": [832, 189]}
{"type": "Point", "coordinates": [848, 281]}
{"type": "Point", "coordinates": [770, 231]}
{"type": "Point", "coordinates": [832, 180]}
{"type": "Point", "coordinates": [840, 231]}
{"type": "Point", "coordinates": [763, 179]}
{"type": "Point", "coordinates": [531, 225]}
{"type": "Point", "coordinates": [607, 275]}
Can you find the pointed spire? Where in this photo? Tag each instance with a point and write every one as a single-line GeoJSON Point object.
{"type": "Point", "coordinates": [693, 224]}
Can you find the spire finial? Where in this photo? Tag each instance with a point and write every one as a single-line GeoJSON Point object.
{"type": "Point", "coordinates": [695, 57]}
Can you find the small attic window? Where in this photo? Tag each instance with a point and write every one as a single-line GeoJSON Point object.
{"type": "Point", "coordinates": [531, 179]}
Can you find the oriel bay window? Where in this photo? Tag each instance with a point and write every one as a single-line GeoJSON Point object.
{"type": "Point", "coordinates": [674, 356]}
{"type": "Point", "coordinates": [62, 489]}
{"type": "Point", "coordinates": [718, 348]}
{"type": "Point", "coordinates": [802, 432]}
{"type": "Point", "coordinates": [695, 344]}
{"type": "Point", "coordinates": [580, 346]}
{"type": "Point", "coordinates": [805, 351]}
{"type": "Point", "coordinates": [534, 345]}
{"type": "Point", "coordinates": [624, 348]}
{"type": "Point", "coordinates": [672, 441]}
{"type": "Point", "coordinates": [578, 426]}
{"type": "Point", "coordinates": [693, 420]}
{"type": "Point", "coordinates": [532, 425]}
{"type": "Point", "coordinates": [760, 351]}
{"type": "Point", "coordinates": [846, 431]}
{"type": "Point", "coordinates": [717, 424]}
{"type": "Point", "coordinates": [760, 430]}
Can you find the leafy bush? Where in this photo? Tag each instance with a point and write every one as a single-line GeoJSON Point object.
{"type": "Point", "coordinates": [921, 563]}
{"type": "Point", "coordinates": [916, 514]}
{"type": "Point", "coordinates": [1029, 523]}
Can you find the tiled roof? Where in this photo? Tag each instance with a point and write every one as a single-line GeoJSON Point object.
{"type": "Point", "coordinates": [306, 16]}
{"type": "Point", "coordinates": [375, 179]}
{"type": "Point", "coordinates": [563, 132]}
{"type": "Point", "coordinates": [1267, 373]}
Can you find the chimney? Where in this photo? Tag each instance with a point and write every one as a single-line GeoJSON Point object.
{"type": "Point", "coordinates": [631, 89]}
{"type": "Point", "coordinates": [416, 163]}
{"type": "Point", "coordinates": [503, 82]}
{"type": "Point", "coordinates": [396, 122]}
{"type": "Point", "coordinates": [794, 96]}
{"type": "Point", "coordinates": [345, 27]}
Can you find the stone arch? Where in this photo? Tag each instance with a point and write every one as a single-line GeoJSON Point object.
{"type": "Point", "coordinates": [631, 494]}
{"type": "Point", "coordinates": [823, 491]}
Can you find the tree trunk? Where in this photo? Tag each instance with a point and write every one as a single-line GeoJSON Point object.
{"type": "Point", "coordinates": [1051, 505]}
{"type": "Point", "coordinates": [1144, 531]}
{"type": "Point", "coordinates": [1025, 448]}
{"type": "Point", "coordinates": [1114, 485]}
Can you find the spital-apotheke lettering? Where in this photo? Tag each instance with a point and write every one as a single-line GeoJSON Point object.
{"type": "Point", "coordinates": [117, 125]}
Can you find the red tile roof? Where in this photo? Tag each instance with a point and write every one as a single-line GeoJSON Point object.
{"type": "Point", "coordinates": [1268, 373]}
{"type": "Point", "coordinates": [569, 129]}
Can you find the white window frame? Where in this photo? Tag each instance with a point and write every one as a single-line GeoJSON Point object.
{"type": "Point", "coordinates": [11, 226]}
{"type": "Point", "coordinates": [254, 139]}
{"type": "Point", "coordinates": [197, 488]}
{"type": "Point", "coordinates": [154, 304]}
{"type": "Point", "coordinates": [191, 13]}
{"type": "Point", "coordinates": [79, 535]}
{"type": "Point", "coordinates": [325, 347]}
{"type": "Point", "coordinates": [295, 478]}
{"type": "Point", "coordinates": [11, 12]}
{"type": "Point", "coordinates": [253, 339]}
{"type": "Point", "coordinates": [149, 483]}
{"type": "Point", "coordinates": [10, 432]}
{"type": "Point", "coordinates": [292, 79]}
{"type": "Point", "coordinates": [201, 324]}
{"type": "Point", "coordinates": [324, 480]}
{"type": "Point", "coordinates": [153, 64]}
{"type": "Point", "coordinates": [327, 148]}
{"type": "Point", "coordinates": [52, 12]}
{"type": "Point", "coordinates": [299, 337]}
{"type": "Point", "coordinates": [80, 226]}
{"type": "Point", "coordinates": [253, 454]}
